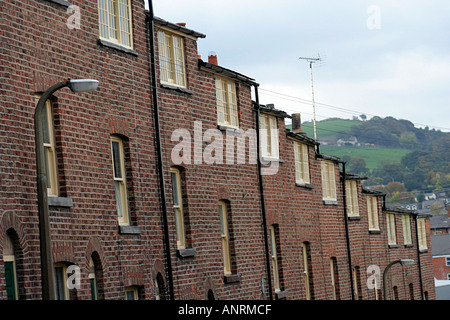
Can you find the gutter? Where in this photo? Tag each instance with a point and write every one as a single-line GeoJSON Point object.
{"type": "Point", "coordinates": [418, 257]}
{"type": "Point", "coordinates": [261, 192]}
{"type": "Point", "coordinates": [151, 46]}
{"type": "Point", "coordinates": [347, 236]}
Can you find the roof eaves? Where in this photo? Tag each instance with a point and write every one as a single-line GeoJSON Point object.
{"type": "Point", "coordinates": [226, 72]}
{"type": "Point", "coordinates": [177, 27]}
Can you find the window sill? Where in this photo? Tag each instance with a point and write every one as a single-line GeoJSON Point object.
{"type": "Point", "coordinates": [374, 231]}
{"type": "Point", "coordinates": [355, 218]}
{"type": "Point", "coordinates": [409, 245]}
{"type": "Point", "coordinates": [176, 88]}
{"type": "Point", "coordinates": [116, 46]}
{"type": "Point", "coordinates": [60, 202]}
{"type": "Point", "coordinates": [186, 253]}
{"type": "Point", "coordinates": [226, 128]}
{"type": "Point", "coordinates": [130, 230]}
{"type": "Point", "coordinates": [423, 250]}
{"type": "Point", "coordinates": [393, 246]}
{"type": "Point", "coordinates": [304, 185]}
{"type": "Point", "coordinates": [330, 202]}
{"type": "Point", "coordinates": [232, 278]}
{"type": "Point", "coordinates": [283, 294]}
{"type": "Point", "coordinates": [267, 160]}
{"type": "Point", "coordinates": [61, 2]}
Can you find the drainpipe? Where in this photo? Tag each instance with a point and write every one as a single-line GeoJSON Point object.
{"type": "Point", "coordinates": [347, 237]}
{"type": "Point", "coordinates": [261, 192]}
{"type": "Point", "coordinates": [418, 257]}
{"type": "Point", "coordinates": [151, 45]}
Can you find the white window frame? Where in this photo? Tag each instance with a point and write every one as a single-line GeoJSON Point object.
{"type": "Point", "coordinates": [351, 192]}
{"type": "Point", "coordinates": [372, 213]}
{"type": "Point", "coordinates": [227, 107]}
{"type": "Point", "coordinates": [306, 270]}
{"type": "Point", "coordinates": [301, 155]}
{"type": "Point", "coordinates": [172, 64]}
{"type": "Point", "coordinates": [120, 183]}
{"type": "Point", "coordinates": [422, 232]}
{"type": "Point", "coordinates": [115, 22]}
{"type": "Point", "coordinates": [407, 234]}
{"type": "Point", "coordinates": [268, 127]}
{"type": "Point", "coordinates": [178, 207]}
{"type": "Point", "coordinates": [224, 233]}
{"type": "Point", "coordinates": [391, 231]}
{"type": "Point", "coordinates": [134, 291]}
{"type": "Point", "coordinates": [274, 258]}
{"type": "Point", "coordinates": [447, 261]}
{"type": "Point", "coordinates": [328, 180]}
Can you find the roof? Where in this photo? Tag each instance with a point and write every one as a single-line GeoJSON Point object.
{"type": "Point", "coordinates": [270, 109]}
{"type": "Point", "coordinates": [374, 192]}
{"type": "Point", "coordinates": [226, 72]}
{"type": "Point", "coordinates": [177, 27]}
{"type": "Point", "coordinates": [353, 176]}
{"type": "Point", "coordinates": [440, 244]}
{"type": "Point", "coordinates": [439, 221]}
{"type": "Point", "coordinates": [328, 157]}
{"type": "Point", "coordinates": [302, 137]}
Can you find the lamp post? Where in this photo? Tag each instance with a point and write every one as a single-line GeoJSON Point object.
{"type": "Point", "coordinates": [403, 262]}
{"type": "Point", "coordinates": [47, 272]}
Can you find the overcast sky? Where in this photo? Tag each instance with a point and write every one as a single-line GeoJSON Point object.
{"type": "Point", "coordinates": [379, 57]}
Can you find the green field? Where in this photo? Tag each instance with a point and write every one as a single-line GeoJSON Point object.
{"type": "Point", "coordinates": [328, 129]}
{"type": "Point", "coordinates": [374, 157]}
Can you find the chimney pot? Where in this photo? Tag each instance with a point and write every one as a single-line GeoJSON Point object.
{"type": "Point", "coordinates": [297, 123]}
{"type": "Point", "coordinates": [183, 24]}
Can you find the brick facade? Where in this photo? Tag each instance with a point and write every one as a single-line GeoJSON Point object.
{"type": "Point", "coordinates": [38, 50]}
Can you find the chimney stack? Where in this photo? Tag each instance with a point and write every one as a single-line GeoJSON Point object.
{"type": "Point", "coordinates": [212, 58]}
{"type": "Point", "coordinates": [297, 123]}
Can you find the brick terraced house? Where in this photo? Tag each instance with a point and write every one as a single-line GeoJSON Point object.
{"type": "Point", "coordinates": [169, 181]}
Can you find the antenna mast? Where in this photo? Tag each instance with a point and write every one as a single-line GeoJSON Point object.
{"type": "Point", "coordinates": [311, 61]}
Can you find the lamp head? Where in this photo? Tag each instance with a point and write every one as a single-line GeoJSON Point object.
{"type": "Point", "coordinates": [83, 85]}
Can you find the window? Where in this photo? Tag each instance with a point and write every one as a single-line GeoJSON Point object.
{"type": "Point", "coordinates": [93, 280]}
{"type": "Point", "coordinates": [372, 212]}
{"type": "Point", "coordinates": [120, 183]}
{"type": "Point", "coordinates": [422, 232]}
{"type": "Point", "coordinates": [115, 21]}
{"type": "Point", "coordinates": [351, 192]}
{"type": "Point", "coordinates": [131, 293]}
{"type": "Point", "coordinates": [357, 283]}
{"type": "Point", "coordinates": [9, 261]}
{"type": "Point", "coordinates": [171, 59]}
{"type": "Point", "coordinates": [269, 136]}
{"type": "Point", "coordinates": [307, 270]}
{"type": "Point", "coordinates": [328, 181]}
{"type": "Point", "coordinates": [227, 111]}
{"type": "Point", "coordinates": [390, 223]}
{"type": "Point", "coordinates": [334, 278]}
{"type": "Point", "coordinates": [406, 221]}
{"type": "Point", "coordinates": [447, 261]}
{"type": "Point", "coordinates": [301, 163]}
{"type": "Point", "coordinates": [62, 291]}
{"type": "Point", "coordinates": [273, 231]}
{"type": "Point", "coordinates": [51, 170]}
{"type": "Point", "coordinates": [225, 237]}
{"type": "Point", "coordinates": [178, 207]}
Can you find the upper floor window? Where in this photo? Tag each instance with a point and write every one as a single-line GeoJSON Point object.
{"type": "Point", "coordinates": [274, 246]}
{"type": "Point", "coordinates": [171, 59]}
{"type": "Point", "coordinates": [406, 221]}
{"type": "Point", "coordinates": [227, 110]}
{"type": "Point", "coordinates": [301, 163]}
{"type": "Point", "coordinates": [392, 235]}
{"type": "Point", "coordinates": [328, 180]}
{"type": "Point", "coordinates": [372, 211]}
{"type": "Point", "coordinates": [120, 181]}
{"type": "Point", "coordinates": [269, 136]}
{"type": "Point", "coordinates": [351, 192]}
{"type": "Point", "coordinates": [115, 21]}
{"type": "Point", "coordinates": [422, 233]}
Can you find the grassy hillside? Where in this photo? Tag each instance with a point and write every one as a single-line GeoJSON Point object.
{"type": "Point", "coordinates": [374, 157]}
{"type": "Point", "coordinates": [328, 129]}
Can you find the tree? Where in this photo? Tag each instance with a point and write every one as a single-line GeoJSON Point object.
{"type": "Point", "coordinates": [357, 165]}
{"type": "Point", "coordinates": [408, 140]}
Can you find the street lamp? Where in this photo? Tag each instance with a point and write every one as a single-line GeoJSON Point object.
{"type": "Point", "coordinates": [403, 262]}
{"type": "Point", "coordinates": [47, 272]}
